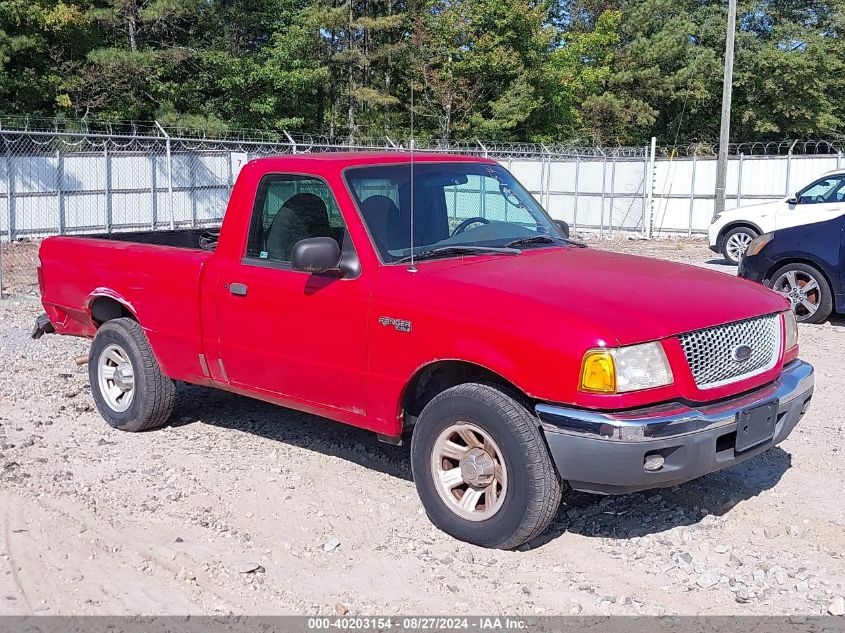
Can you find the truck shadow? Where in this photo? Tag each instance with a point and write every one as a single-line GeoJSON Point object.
{"type": "Point", "coordinates": [614, 517]}
{"type": "Point", "coordinates": [196, 404]}
{"type": "Point", "coordinates": [696, 502]}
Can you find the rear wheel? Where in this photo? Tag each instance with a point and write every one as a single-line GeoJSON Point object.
{"type": "Point", "coordinates": [807, 290]}
{"type": "Point", "coordinates": [736, 242]}
{"type": "Point", "coordinates": [128, 387]}
{"type": "Point", "coordinates": [482, 469]}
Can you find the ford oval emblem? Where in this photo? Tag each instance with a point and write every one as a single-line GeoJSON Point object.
{"type": "Point", "coordinates": [741, 353]}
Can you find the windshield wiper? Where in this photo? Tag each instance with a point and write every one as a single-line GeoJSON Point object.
{"type": "Point", "coordinates": [444, 251]}
{"type": "Point", "coordinates": [543, 239]}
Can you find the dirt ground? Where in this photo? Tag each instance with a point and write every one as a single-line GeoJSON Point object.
{"type": "Point", "coordinates": [241, 507]}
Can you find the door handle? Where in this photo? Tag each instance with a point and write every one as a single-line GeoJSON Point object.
{"type": "Point", "coordinates": [238, 289]}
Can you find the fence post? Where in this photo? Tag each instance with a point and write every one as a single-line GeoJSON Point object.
{"type": "Point", "coordinates": [231, 181]}
{"type": "Point", "coordinates": [8, 210]}
{"type": "Point", "coordinates": [294, 149]}
{"type": "Point", "coordinates": [838, 160]}
{"type": "Point", "coordinates": [603, 187]}
{"type": "Point", "coordinates": [153, 192]}
{"type": "Point", "coordinates": [547, 184]}
{"type": "Point", "coordinates": [612, 194]}
{"type": "Point", "coordinates": [107, 167]}
{"type": "Point", "coordinates": [789, 166]}
{"type": "Point", "coordinates": [739, 180]}
{"type": "Point", "coordinates": [10, 198]}
{"type": "Point", "coordinates": [193, 185]}
{"type": "Point", "coordinates": [169, 174]}
{"type": "Point", "coordinates": [650, 191]}
{"type": "Point", "coordinates": [483, 186]}
{"type": "Point", "coordinates": [60, 198]}
{"type": "Point", "coordinates": [575, 209]}
{"type": "Point", "coordinates": [692, 196]}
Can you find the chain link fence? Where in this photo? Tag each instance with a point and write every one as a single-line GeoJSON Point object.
{"type": "Point", "coordinates": [63, 181]}
{"type": "Point", "coordinates": [59, 182]}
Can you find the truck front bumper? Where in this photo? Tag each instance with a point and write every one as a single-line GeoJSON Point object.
{"type": "Point", "coordinates": [668, 444]}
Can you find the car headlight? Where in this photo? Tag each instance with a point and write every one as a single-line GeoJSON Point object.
{"type": "Point", "coordinates": [623, 369]}
{"type": "Point", "coordinates": [756, 245]}
{"type": "Point", "coordinates": [790, 329]}
{"type": "Point", "coordinates": [715, 218]}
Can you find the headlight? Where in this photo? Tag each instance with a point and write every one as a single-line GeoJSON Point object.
{"type": "Point", "coordinates": [790, 329]}
{"type": "Point", "coordinates": [715, 218]}
{"type": "Point", "coordinates": [623, 369]}
{"type": "Point", "coordinates": [756, 245]}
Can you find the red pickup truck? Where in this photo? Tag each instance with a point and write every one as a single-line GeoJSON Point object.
{"type": "Point", "coordinates": [431, 297]}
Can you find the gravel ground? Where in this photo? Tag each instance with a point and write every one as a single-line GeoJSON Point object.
{"type": "Point", "coordinates": [241, 507]}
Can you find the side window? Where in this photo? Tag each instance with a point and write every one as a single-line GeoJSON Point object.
{"type": "Point", "coordinates": [289, 208]}
{"type": "Point", "coordinates": [829, 189]}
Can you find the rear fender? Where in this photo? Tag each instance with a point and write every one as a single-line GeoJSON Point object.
{"type": "Point", "coordinates": [109, 294]}
{"type": "Point", "coordinates": [80, 321]}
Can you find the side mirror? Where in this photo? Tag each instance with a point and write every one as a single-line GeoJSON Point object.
{"type": "Point", "coordinates": [316, 255]}
{"type": "Point", "coordinates": [563, 226]}
{"type": "Point", "coordinates": [793, 200]}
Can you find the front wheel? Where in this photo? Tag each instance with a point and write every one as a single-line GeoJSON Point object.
{"type": "Point", "coordinates": [736, 242]}
{"type": "Point", "coordinates": [807, 290]}
{"type": "Point", "coordinates": [482, 469]}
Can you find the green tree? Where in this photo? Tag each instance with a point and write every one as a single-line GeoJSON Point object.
{"type": "Point", "coordinates": [575, 75]}
{"type": "Point", "coordinates": [478, 64]}
{"type": "Point", "coordinates": [39, 42]}
{"type": "Point", "coordinates": [664, 77]}
{"type": "Point", "coordinates": [362, 41]}
{"type": "Point", "coordinates": [790, 77]}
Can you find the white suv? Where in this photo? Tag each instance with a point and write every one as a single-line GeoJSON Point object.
{"type": "Point", "coordinates": [732, 231]}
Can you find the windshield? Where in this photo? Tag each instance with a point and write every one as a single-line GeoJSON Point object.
{"type": "Point", "coordinates": [461, 205]}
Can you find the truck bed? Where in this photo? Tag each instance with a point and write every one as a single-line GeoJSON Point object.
{"type": "Point", "coordinates": [154, 275]}
{"type": "Point", "coordinates": [201, 239]}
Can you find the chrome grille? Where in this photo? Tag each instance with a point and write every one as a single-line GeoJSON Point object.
{"type": "Point", "coordinates": [712, 353]}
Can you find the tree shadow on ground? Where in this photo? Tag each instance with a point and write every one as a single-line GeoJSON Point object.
{"type": "Point", "coordinates": [614, 517]}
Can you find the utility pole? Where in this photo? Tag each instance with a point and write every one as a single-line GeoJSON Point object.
{"type": "Point", "coordinates": [725, 129]}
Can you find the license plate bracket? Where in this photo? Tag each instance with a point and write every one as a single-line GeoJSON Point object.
{"type": "Point", "coordinates": [756, 425]}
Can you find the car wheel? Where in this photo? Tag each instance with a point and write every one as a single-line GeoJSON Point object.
{"type": "Point", "coordinates": [807, 290]}
{"type": "Point", "coordinates": [128, 387]}
{"type": "Point", "coordinates": [735, 243]}
{"type": "Point", "coordinates": [482, 469]}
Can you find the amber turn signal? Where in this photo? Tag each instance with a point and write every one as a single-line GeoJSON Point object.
{"type": "Point", "coordinates": [598, 373]}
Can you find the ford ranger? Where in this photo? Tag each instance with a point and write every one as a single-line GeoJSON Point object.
{"type": "Point", "coordinates": [430, 297]}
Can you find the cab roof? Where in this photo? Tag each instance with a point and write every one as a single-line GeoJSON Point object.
{"type": "Point", "coordinates": [347, 159]}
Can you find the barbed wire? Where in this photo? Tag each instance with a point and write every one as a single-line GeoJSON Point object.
{"type": "Point", "coordinates": [117, 134]}
{"type": "Point", "coordinates": [760, 148]}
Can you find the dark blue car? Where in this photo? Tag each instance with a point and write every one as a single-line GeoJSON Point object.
{"type": "Point", "coordinates": [804, 264]}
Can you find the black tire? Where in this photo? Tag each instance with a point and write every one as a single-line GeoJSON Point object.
{"type": "Point", "coordinates": [823, 297]}
{"type": "Point", "coordinates": [533, 490]}
{"type": "Point", "coordinates": [742, 233]}
{"type": "Point", "coordinates": [154, 393]}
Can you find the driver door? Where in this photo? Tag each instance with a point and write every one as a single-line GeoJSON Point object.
{"type": "Point", "coordinates": [288, 333]}
{"type": "Point", "coordinates": [822, 200]}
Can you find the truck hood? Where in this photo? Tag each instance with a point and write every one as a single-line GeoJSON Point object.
{"type": "Point", "coordinates": [636, 299]}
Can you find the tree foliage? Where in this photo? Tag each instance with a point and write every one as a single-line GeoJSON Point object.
{"type": "Point", "coordinates": [603, 71]}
